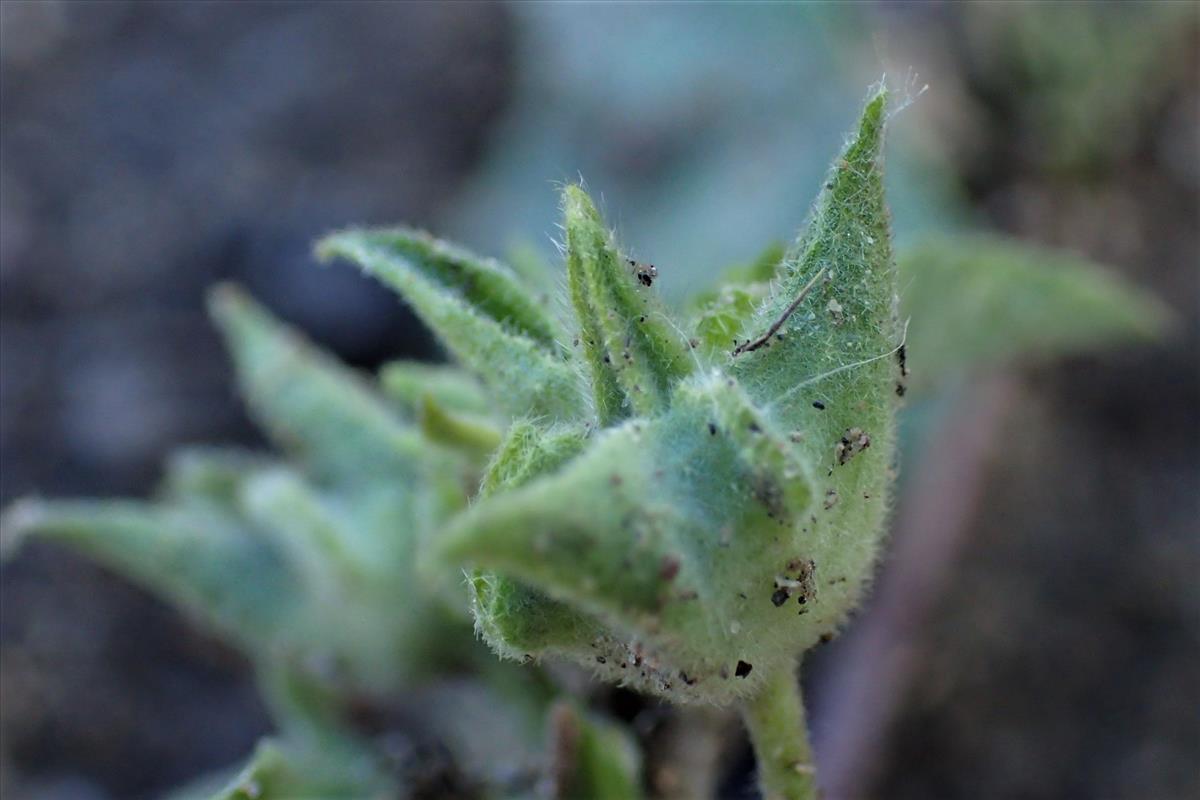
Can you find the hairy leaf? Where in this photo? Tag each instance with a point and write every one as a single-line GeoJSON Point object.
{"type": "Point", "coordinates": [633, 349]}
{"type": "Point", "coordinates": [516, 619]}
{"type": "Point", "coordinates": [721, 313]}
{"type": "Point", "coordinates": [479, 311]}
{"type": "Point", "coordinates": [730, 524]}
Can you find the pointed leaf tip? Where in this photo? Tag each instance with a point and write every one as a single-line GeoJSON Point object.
{"type": "Point", "coordinates": [586, 240]}
{"type": "Point", "coordinates": [634, 351]}
{"type": "Point", "coordinates": [16, 523]}
{"type": "Point", "coordinates": [832, 319]}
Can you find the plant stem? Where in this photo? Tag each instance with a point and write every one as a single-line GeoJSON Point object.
{"type": "Point", "coordinates": [779, 733]}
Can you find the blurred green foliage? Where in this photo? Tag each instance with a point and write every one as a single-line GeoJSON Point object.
{"type": "Point", "coordinates": [652, 494]}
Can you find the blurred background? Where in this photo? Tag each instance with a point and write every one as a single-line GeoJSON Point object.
{"type": "Point", "coordinates": [1036, 630]}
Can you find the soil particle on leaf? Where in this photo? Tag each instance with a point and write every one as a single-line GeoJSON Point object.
{"type": "Point", "coordinates": [853, 442]}
{"type": "Point", "coordinates": [835, 311]}
{"type": "Point", "coordinates": [645, 273]}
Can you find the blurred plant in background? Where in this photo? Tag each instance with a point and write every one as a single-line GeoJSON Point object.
{"type": "Point", "coordinates": [623, 527]}
{"type": "Point", "coordinates": [683, 102]}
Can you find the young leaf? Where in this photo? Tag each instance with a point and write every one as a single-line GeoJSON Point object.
{"type": "Point", "coordinates": [514, 618]}
{"type": "Point", "coordinates": [832, 314]}
{"type": "Point", "coordinates": [477, 309]}
{"type": "Point", "coordinates": [530, 450]}
{"type": "Point", "coordinates": [721, 313]}
{"type": "Point", "coordinates": [716, 537]}
{"type": "Point", "coordinates": [829, 374]}
{"type": "Point", "coordinates": [722, 319]}
{"type": "Point", "coordinates": [485, 284]}
{"type": "Point", "coordinates": [634, 353]}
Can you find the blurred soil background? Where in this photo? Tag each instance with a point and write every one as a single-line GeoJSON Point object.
{"type": "Point", "coordinates": [1043, 640]}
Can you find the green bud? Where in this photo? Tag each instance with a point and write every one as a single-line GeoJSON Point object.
{"type": "Point", "coordinates": [725, 523]}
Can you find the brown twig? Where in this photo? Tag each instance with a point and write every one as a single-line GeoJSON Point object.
{"type": "Point", "coordinates": [746, 347]}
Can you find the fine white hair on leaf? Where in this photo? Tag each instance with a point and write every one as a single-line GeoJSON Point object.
{"type": "Point", "coordinates": [695, 358]}
{"type": "Point", "coordinates": [771, 404]}
{"type": "Point", "coordinates": [909, 94]}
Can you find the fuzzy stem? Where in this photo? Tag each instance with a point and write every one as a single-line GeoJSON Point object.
{"type": "Point", "coordinates": [779, 733]}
